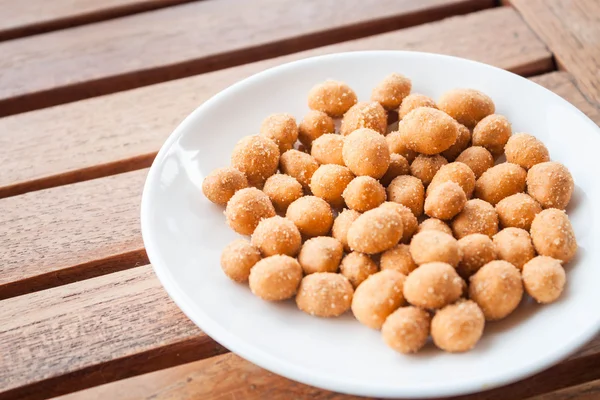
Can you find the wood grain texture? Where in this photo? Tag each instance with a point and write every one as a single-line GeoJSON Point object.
{"type": "Point", "coordinates": [230, 377]}
{"type": "Point", "coordinates": [179, 41]}
{"type": "Point", "coordinates": [22, 18]}
{"type": "Point", "coordinates": [571, 29]}
{"type": "Point", "coordinates": [123, 131]}
{"type": "Point", "coordinates": [68, 233]}
{"type": "Point", "coordinates": [91, 332]}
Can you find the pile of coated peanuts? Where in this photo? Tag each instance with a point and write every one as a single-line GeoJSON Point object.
{"type": "Point", "coordinates": [420, 231]}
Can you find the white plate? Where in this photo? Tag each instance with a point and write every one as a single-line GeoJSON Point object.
{"type": "Point", "coordinates": [184, 234]}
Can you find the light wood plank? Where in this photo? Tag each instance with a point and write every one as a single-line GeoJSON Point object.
{"type": "Point", "coordinates": [230, 377]}
{"type": "Point", "coordinates": [22, 18]}
{"type": "Point", "coordinates": [179, 41]}
{"type": "Point", "coordinates": [69, 233]}
{"type": "Point", "coordinates": [123, 131]}
{"type": "Point", "coordinates": [91, 332]}
{"type": "Point", "coordinates": [571, 29]}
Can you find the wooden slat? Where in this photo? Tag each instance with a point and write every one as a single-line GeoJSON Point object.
{"type": "Point", "coordinates": [571, 29]}
{"type": "Point", "coordinates": [585, 391]}
{"type": "Point", "coordinates": [179, 41]}
{"type": "Point", "coordinates": [21, 18]}
{"type": "Point", "coordinates": [230, 377]}
{"type": "Point", "coordinates": [91, 332]}
{"type": "Point", "coordinates": [69, 233]}
{"type": "Point", "coordinates": [123, 131]}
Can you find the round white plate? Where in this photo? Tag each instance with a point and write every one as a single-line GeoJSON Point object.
{"type": "Point", "coordinates": [184, 235]}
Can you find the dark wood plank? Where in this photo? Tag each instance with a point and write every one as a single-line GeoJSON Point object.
{"type": "Point", "coordinates": [585, 391]}
{"type": "Point", "coordinates": [92, 332]}
{"type": "Point", "coordinates": [69, 233]}
{"type": "Point", "coordinates": [22, 18]}
{"type": "Point", "coordinates": [180, 41]}
{"type": "Point", "coordinates": [570, 30]}
{"type": "Point", "coordinates": [123, 131]}
{"type": "Point", "coordinates": [229, 376]}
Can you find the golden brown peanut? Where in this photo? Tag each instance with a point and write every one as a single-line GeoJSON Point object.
{"type": "Point", "coordinates": [455, 172]}
{"type": "Point", "coordinates": [257, 157]}
{"type": "Point", "coordinates": [238, 258]}
{"type": "Point", "coordinates": [332, 97]}
{"type": "Point", "coordinates": [312, 215]}
{"type": "Point", "coordinates": [357, 267]}
{"type": "Point", "coordinates": [425, 167]}
{"type": "Point", "coordinates": [275, 278]}
{"type": "Point", "coordinates": [499, 182]}
{"type": "Point", "coordinates": [445, 201]}
{"type": "Point", "coordinates": [553, 236]}
{"type": "Point", "coordinates": [327, 149]}
{"type": "Point", "coordinates": [329, 182]}
{"type": "Point", "coordinates": [314, 125]}
{"type": "Point", "coordinates": [406, 330]}
{"type": "Point", "coordinates": [435, 225]}
{"type": "Point", "coordinates": [526, 150]}
{"type": "Point", "coordinates": [277, 235]}
{"type": "Point", "coordinates": [342, 224]}
{"type": "Point", "coordinates": [430, 246]}
{"type": "Point", "coordinates": [397, 144]}
{"type": "Point", "coordinates": [428, 131]}
{"type": "Point", "coordinates": [462, 142]}
{"type": "Point", "coordinates": [477, 250]}
{"type": "Point", "coordinates": [492, 132]}
{"type": "Point", "coordinates": [282, 190]}
{"type": "Point", "coordinates": [467, 106]}
{"type": "Point", "coordinates": [399, 259]}
{"type": "Point", "coordinates": [391, 91]}
{"type": "Point", "coordinates": [413, 101]}
{"type": "Point", "coordinates": [299, 165]}
{"type": "Point", "coordinates": [497, 289]}
{"type": "Point", "coordinates": [544, 279]}
{"type": "Point", "coordinates": [551, 184]}
{"type": "Point", "coordinates": [398, 166]}
{"type": "Point", "coordinates": [324, 294]}
{"type": "Point", "coordinates": [222, 183]}
{"type": "Point", "coordinates": [282, 129]}
{"type": "Point", "coordinates": [246, 209]}
{"type": "Point", "coordinates": [478, 158]}
{"type": "Point", "coordinates": [433, 285]}
{"type": "Point", "coordinates": [364, 193]}
{"type": "Point", "coordinates": [409, 221]}
{"type": "Point", "coordinates": [364, 115]}
{"type": "Point", "coordinates": [408, 191]}
{"type": "Point", "coordinates": [366, 152]}
{"type": "Point", "coordinates": [375, 231]}
{"type": "Point", "coordinates": [321, 254]}
{"type": "Point", "coordinates": [458, 327]}
{"type": "Point", "coordinates": [377, 297]}
{"type": "Point", "coordinates": [517, 211]}
{"type": "Point", "coordinates": [514, 245]}
{"type": "Point", "coordinates": [477, 216]}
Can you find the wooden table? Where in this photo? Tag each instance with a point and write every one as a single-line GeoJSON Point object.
{"type": "Point", "coordinates": [89, 90]}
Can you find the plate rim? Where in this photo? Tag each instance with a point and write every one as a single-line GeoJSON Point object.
{"type": "Point", "coordinates": [280, 366]}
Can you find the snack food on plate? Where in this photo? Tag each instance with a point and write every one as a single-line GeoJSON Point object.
{"type": "Point", "coordinates": [370, 221]}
